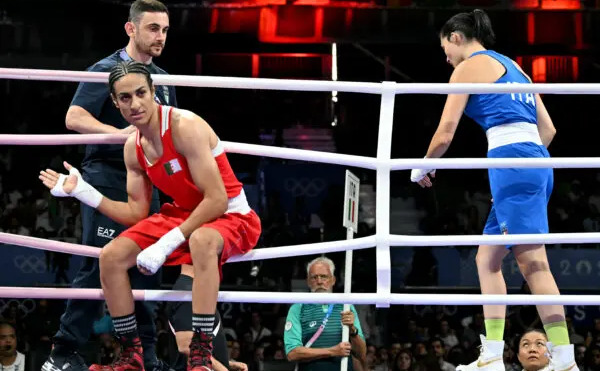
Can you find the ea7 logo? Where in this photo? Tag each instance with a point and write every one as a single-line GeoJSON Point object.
{"type": "Point", "coordinates": [106, 232]}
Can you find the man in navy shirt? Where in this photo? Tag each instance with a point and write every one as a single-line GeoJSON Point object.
{"type": "Point", "coordinates": [92, 111]}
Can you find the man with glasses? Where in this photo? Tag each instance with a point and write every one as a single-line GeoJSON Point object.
{"type": "Point", "coordinates": [313, 332]}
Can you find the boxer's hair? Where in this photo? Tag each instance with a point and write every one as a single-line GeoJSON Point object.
{"type": "Point", "coordinates": [473, 25]}
{"type": "Point", "coordinates": [124, 68]}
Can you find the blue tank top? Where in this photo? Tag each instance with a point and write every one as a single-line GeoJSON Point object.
{"type": "Point", "coordinates": [490, 110]}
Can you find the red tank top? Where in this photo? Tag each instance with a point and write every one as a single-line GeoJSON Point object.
{"type": "Point", "coordinates": [170, 173]}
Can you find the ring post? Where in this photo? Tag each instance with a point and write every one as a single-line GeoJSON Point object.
{"type": "Point", "coordinates": [351, 223]}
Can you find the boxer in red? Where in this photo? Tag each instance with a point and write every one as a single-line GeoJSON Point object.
{"type": "Point", "coordinates": [208, 221]}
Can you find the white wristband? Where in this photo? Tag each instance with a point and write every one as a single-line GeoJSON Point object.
{"type": "Point", "coordinates": [86, 193]}
{"type": "Point", "coordinates": [417, 174]}
{"type": "Point", "coordinates": [83, 191]}
{"type": "Point", "coordinates": [170, 241]}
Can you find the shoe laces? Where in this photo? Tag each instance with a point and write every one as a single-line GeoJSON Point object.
{"type": "Point", "coordinates": [548, 354]}
{"type": "Point", "coordinates": [127, 354]}
{"type": "Point", "coordinates": [482, 349]}
{"type": "Point", "coordinates": [200, 350]}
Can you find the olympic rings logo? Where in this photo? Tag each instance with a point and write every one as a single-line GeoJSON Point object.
{"type": "Point", "coordinates": [25, 306]}
{"type": "Point", "coordinates": [422, 310]}
{"type": "Point", "coordinates": [30, 264]}
{"type": "Point", "coordinates": [304, 186]}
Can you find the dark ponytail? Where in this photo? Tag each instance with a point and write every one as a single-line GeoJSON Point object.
{"type": "Point", "coordinates": [474, 25]}
{"type": "Point", "coordinates": [483, 28]}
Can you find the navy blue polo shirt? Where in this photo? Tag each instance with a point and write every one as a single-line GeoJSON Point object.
{"type": "Point", "coordinates": [103, 164]}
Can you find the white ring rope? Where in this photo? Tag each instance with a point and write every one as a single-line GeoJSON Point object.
{"type": "Point", "coordinates": [301, 154]}
{"type": "Point", "coordinates": [49, 245]}
{"type": "Point", "coordinates": [230, 147]}
{"type": "Point", "coordinates": [199, 81]}
{"type": "Point", "coordinates": [307, 85]}
{"type": "Point", "coordinates": [364, 162]}
{"type": "Point", "coordinates": [258, 254]}
{"type": "Point", "coordinates": [383, 164]}
{"type": "Point", "coordinates": [305, 249]}
{"type": "Point", "coordinates": [61, 139]}
{"type": "Point", "coordinates": [309, 297]}
{"type": "Point", "coordinates": [484, 88]}
{"type": "Point", "coordinates": [489, 163]}
{"type": "Point", "coordinates": [509, 239]}
{"type": "Point", "coordinates": [334, 246]}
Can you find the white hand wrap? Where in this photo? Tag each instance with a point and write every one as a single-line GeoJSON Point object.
{"type": "Point", "coordinates": [417, 174]}
{"type": "Point", "coordinates": [83, 191]}
{"type": "Point", "coordinates": [154, 256]}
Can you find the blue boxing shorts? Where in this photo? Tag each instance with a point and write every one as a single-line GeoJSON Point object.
{"type": "Point", "coordinates": [520, 196]}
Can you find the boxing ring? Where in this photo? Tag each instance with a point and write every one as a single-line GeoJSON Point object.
{"type": "Point", "coordinates": [382, 163]}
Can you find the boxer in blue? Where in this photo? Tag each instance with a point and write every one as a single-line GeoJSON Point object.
{"type": "Point", "coordinates": [516, 125]}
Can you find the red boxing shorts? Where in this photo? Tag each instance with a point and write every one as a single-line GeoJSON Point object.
{"type": "Point", "coordinates": [240, 232]}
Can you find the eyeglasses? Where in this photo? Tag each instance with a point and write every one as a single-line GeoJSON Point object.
{"type": "Point", "coordinates": [322, 277]}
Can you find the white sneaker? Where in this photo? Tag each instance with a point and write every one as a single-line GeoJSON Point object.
{"type": "Point", "coordinates": [490, 358]}
{"type": "Point", "coordinates": [562, 357]}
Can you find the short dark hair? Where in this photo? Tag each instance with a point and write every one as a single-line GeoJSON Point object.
{"type": "Point", "coordinates": [434, 339]}
{"type": "Point", "coordinates": [474, 25]}
{"type": "Point", "coordinates": [124, 68]}
{"type": "Point", "coordinates": [530, 330]}
{"type": "Point", "coordinates": [4, 323]}
{"type": "Point", "coordinates": [141, 6]}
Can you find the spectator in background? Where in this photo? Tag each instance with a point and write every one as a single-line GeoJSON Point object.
{"type": "Point", "coordinates": [10, 358]}
{"type": "Point", "coordinates": [258, 359]}
{"type": "Point", "coordinates": [234, 350]}
{"type": "Point", "coordinates": [428, 363]}
{"type": "Point", "coordinates": [533, 352]}
{"type": "Point", "coordinates": [419, 350]}
{"type": "Point", "coordinates": [257, 331]}
{"type": "Point", "coordinates": [383, 360]}
{"type": "Point", "coordinates": [473, 330]}
{"type": "Point", "coordinates": [592, 358]}
{"type": "Point", "coordinates": [593, 335]}
{"type": "Point", "coordinates": [322, 350]}
{"type": "Point", "coordinates": [403, 361]}
{"type": "Point", "coordinates": [447, 335]}
{"type": "Point", "coordinates": [395, 348]}
{"type": "Point", "coordinates": [14, 316]}
{"type": "Point", "coordinates": [41, 325]}
{"type": "Point", "coordinates": [437, 348]}
{"type": "Point", "coordinates": [509, 359]}
{"type": "Point", "coordinates": [580, 350]}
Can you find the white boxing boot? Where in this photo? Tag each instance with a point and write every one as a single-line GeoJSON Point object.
{"type": "Point", "coordinates": [562, 357]}
{"type": "Point", "coordinates": [490, 358]}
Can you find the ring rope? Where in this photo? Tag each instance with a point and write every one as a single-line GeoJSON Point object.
{"type": "Point", "coordinates": [308, 85]}
{"type": "Point", "coordinates": [263, 253]}
{"type": "Point", "coordinates": [323, 157]}
{"type": "Point", "coordinates": [309, 297]}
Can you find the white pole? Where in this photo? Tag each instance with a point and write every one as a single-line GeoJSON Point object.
{"type": "Point", "coordinates": [347, 290]}
{"type": "Point", "coordinates": [351, 199]}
